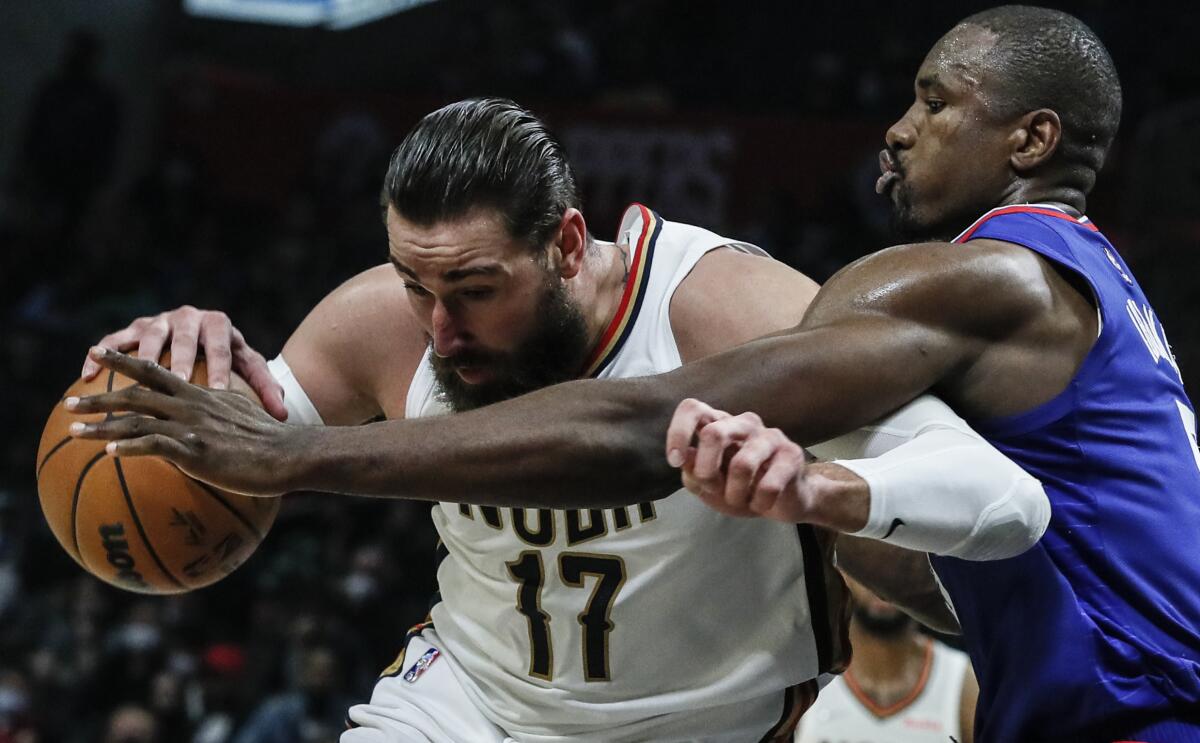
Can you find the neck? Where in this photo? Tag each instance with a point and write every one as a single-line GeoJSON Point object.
{"type": "Point", "coordinates": [601, 284]}
{"type": "Point", "coordinates": [1071, 200]}
{"type": "Point", "coordinates": [887, 668]}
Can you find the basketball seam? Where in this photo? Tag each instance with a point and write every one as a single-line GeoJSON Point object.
{"type": "Point", "coordinates": [75, 507]}
{"type": "Point", "coordinates": [137, 522]}
{"type": "Point", "coordinates": [236, 513]}
{"type": "Point", "coordinates": [66, 440]}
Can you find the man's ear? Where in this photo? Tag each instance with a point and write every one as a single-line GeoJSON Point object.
{"type": "Point", "coordinates": [571, 243]}
{"type": "Point", "coordinates": [1035, 140]}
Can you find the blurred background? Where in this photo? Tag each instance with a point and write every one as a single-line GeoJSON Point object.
{"type": "Point", "coordinates": [151, 156]}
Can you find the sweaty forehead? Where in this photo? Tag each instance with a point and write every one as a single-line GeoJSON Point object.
{"type": "Point", "coordinates": [474, 244]}
{"type": "Point", "coordinates": [960, 59]}
{"type": "Point", "coordinates": [476, 226]}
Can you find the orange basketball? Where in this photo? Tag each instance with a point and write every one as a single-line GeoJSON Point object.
{"type": "Point", "coordinates": [138, 522]}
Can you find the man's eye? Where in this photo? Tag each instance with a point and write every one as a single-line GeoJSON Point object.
{"type": "Point", "coordinates": [477, 293]}
{"type": "Point", "coordinates": [935, 106]}
{"type": "Point", "coordinates": [417, 290]}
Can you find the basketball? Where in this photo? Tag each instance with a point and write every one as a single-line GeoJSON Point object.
{"type": "Point", "coordinates": [139, 523]}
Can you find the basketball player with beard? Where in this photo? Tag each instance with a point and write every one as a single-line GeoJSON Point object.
{"type": "Point", "coordinates": [902, 686]}
{"type": "Point", "coordinates": [618, 614]}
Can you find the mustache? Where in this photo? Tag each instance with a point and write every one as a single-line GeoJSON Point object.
{"type": "Point", "coordinates": [467, 357]}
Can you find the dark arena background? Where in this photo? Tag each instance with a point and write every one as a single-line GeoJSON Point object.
{"type": "Point", "coordinates": [158, 152]}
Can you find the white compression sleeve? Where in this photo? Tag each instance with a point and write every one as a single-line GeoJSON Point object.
{"type": "Point", "coordinates": [300, 409]}
{"type": "Point", "coordinates": [937, 486]}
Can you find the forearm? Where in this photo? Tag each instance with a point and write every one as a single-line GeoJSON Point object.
{"type": "Point", "coordinates": [577, 445]}
{"type": "Point", "coordinates": [902, 577]}
{"type": "Point", "coordinates": [601, 443]}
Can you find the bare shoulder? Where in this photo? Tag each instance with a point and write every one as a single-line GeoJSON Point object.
{"type": "Point", "coordinates": [359, 347]}
{"type": "Point", "coordinates": [365, 310]}
{"type": "Point", "coordinates": [731, 297]}
{"type": "Point", "coordinates": [984, 286]}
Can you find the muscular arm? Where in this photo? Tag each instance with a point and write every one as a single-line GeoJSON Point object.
{"type": "Point", "coordinates": [901, 577]}
{"type": "Point", "coordinates": [881, 332]}
{"type": "Point", "coordinates": [356, 352]}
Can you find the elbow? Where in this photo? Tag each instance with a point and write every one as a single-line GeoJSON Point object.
{"type": "Point", "coordinates": [1010, 528]}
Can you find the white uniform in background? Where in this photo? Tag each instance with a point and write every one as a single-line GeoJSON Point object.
{"type": "Point", "coordinates": [930, 714]}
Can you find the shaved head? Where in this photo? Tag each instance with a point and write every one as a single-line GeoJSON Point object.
{"type": "Point", "coordinates": [1043, 58]}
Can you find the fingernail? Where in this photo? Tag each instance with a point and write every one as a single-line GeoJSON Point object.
{"type": "Point", "coordinates": [111, 448]}
{"type": "Point", "coordinates": [99, 351]}
{"type": "Point", "coordinates": [76, 428]}
{"type": "Point", "coordinates": [71, 403]}
{"type": "Point", "coordinates": [220, 385]}
{"type": "Point", "coordinates": [675, 458]}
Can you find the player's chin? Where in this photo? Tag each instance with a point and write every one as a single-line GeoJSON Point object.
{"type": "Point", "coordinates": [908, 223]}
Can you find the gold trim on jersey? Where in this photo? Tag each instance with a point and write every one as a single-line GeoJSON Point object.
{"type": "Point", "coordinates": [641, 255]}
{"type": "Point", "coordinates": [398, 664]}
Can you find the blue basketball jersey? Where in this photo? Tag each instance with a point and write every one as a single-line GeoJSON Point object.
{"type": "Point", "coordinates": [1098, 625]}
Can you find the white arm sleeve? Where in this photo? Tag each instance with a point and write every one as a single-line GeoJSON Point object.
{"type": "Point", "coordinates": [300, 409]}
{"type": "Point", "coordinates": [937, 486]}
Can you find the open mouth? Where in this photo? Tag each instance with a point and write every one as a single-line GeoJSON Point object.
{"type": "Point", "coordinates": [890, 171]}
{"type": "Point", "coordinates": [472, 374]}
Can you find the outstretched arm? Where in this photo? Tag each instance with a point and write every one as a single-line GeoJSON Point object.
{"type": "Point", "coordinates": [872, 340]}
{"type": "Point", "coordinates": [880, 333]}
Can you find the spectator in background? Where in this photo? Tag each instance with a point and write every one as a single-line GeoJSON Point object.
{"type": "Point", "coordinates": [132, 724]}
{"type": "Point", "coordinates": [314, 713]}
{"type": "Point", "coordinates": [217, 699]}
{"type": "Point", "coordinates": [166, 699]}
{"type": "Point", "coordinates": [71, 141]}
{"type": "Point", "coordinates": [16, 719]}
{"type": "Point", "coordinates": [10, 553]}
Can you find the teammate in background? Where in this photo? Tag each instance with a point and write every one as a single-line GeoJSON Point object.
{"type": "Point", "coordinates": [901, 687]}
{"type": "Point", "coordinates": [635, 621]}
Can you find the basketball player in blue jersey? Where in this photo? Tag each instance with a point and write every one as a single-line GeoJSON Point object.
{"type": "Point", "coordinates": [1011, 306]}
{"type": "Point", "coordinates": [1027, 320]}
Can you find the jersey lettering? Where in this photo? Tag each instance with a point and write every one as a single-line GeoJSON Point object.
{"type": "Point", "coordinates": [540, 527]}
{"type": "Point", "coordinates": [1189, 428]}
{"type": "Point", "coordinates": [1152, 334]}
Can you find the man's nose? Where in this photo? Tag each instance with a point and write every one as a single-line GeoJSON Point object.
{"type": "Point", "coordinates": [448, 334]}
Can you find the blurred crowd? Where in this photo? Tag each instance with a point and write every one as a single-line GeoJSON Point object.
{"type": "Point", "coordinates": [277, 651]}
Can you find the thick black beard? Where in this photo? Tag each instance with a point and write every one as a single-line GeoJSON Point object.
{"type": "Point", "coordinates": [554, 352]}
{"type": "Point", "coordinates": [882, 626]}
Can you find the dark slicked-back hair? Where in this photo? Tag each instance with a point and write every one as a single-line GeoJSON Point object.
{"type": "Point", "coordinates": [482, 152]}
{"type": "Point", "coordinates": [1049, 59]}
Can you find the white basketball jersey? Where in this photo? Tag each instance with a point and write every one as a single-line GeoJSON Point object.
{"type": "Point", "coordinates": [568, 623]}
{"type": "Point", "coordinates": [930, 715]}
